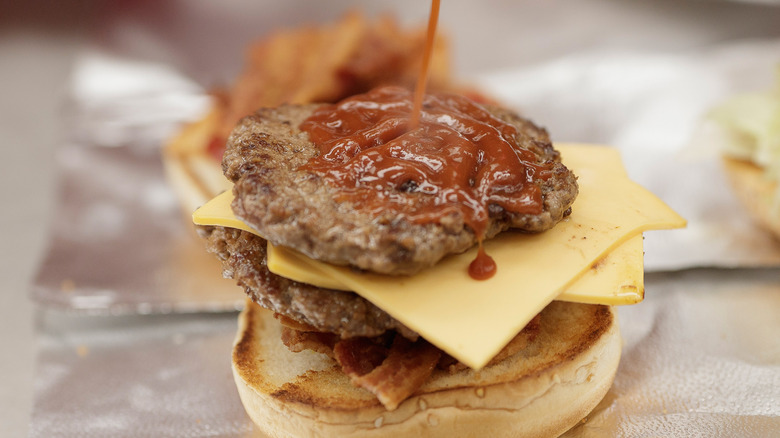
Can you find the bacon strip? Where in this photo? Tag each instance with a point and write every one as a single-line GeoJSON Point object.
{"type": "Point", "coordinates": [359, 356]}
{"type": "Point", "coordinates": [391, 366]}
{"type": "Point", "coordinates": [293, 324]}
{"type": "Point", "coordinates": [406, 367]}
{"type": "Point", "coordinates": [297, 341]}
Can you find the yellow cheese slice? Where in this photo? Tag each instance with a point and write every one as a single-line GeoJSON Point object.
{"type": "Point", "coordinates": [472, 320]}
{"type": "Point", "coordinates": [616, 279]}
{"type": "Point", "coordinates": [217, 212]}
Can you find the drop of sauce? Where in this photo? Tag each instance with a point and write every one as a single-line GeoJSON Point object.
{"type": "Point", "coordinates": [482, 267]}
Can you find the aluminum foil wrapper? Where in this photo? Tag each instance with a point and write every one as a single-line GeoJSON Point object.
{"type": "Point", "coordinates": [136, 376]}
{"type": "Point", "coordinates": [121, 244]}
{"type": "Point", "coordinates": [136, 325]}
{"type": "Point", "coordinates": [701, 359]}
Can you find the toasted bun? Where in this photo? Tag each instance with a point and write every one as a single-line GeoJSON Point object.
{"type": "Point", "coordinates": [542, 391]}
{"type": "Point", "coordinates": [754, 191]}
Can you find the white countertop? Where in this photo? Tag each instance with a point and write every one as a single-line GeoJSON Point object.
{"type": "Point", "coordinates": [37, 51]}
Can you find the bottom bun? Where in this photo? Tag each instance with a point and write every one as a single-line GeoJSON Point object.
{"type": "Point", "coordinates": [541, 391]}
{"type": "Point", "coordinates": [755, 192]}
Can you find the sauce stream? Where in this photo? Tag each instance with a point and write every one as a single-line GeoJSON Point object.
{"type": "Point", "coordinates": [422, 78]}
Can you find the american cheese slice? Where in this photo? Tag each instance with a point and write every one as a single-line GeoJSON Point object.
{"type": "Point", "coordinates": [616, 279]}
{"type": "Point", "coordinates": [472, 320]}
{"type": "Point", "coordinates": [217, 212]}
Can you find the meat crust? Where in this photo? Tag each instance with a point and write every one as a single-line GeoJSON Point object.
{"type": "Point", "coordinates": [346, 314]}
{"type": "Point", "coordinates": [297, 209]}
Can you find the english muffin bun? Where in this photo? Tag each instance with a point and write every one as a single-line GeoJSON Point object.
{"type": "Point", "coordinates": [543, 390]}
{"type": "Point", "coordinates": [756, 192]}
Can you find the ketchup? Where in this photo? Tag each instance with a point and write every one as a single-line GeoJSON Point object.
{"type": "Point", "coordinates": [457, 162]}
{"type": "Point", "coordinates": [433, 158]}
{"type": "Point", "coordinates": [483, 267]}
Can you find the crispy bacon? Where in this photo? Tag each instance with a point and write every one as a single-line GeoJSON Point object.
{"type": "Point", "coordinates": [326, 63]}
{"type": "Point", "coordinates": [293, 324]}
{"type": "Point", "coordinates": [297, 341]}
{"type": "Point", "coordinates": [405, 368]}
{"type": "Point", "coordinates": [390, 366]}
{"type": "Point", "coordinates": [359, 356]}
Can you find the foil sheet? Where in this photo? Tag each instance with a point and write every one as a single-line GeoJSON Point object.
{"type": "Point", "coordinates": [701, 359]}
{"type": "Point", "coordinates": [136, 376]}
{"type": "Point", "coordinates": [120, 244]}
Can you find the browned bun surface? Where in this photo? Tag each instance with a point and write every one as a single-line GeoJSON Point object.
{"type": "Point", "coordinates": [543, 390]}
{"type": "Point", "coordinates": [754, 191]}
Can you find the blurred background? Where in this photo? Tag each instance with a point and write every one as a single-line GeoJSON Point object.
{"type": "Point", "coordinates": [42, 41]}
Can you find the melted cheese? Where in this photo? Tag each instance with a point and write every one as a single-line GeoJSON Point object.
{"type": "Point", "coordinates": [472, 320]}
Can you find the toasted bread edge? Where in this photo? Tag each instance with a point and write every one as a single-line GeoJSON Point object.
{"type": "Point", "coordinates": [542, 391]}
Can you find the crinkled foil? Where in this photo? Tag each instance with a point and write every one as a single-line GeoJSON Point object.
{"type": "Point", "coordinates": [701, 359]}
{"type": "Point", "coordinates": [136, 376]}
{"type": "Point", "coordinates": [121, 244]}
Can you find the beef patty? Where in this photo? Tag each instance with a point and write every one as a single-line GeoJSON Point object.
{"type": "Point", "coordinates": [346, 314]}
{"type": "Point", "coordinates": [297, 209]}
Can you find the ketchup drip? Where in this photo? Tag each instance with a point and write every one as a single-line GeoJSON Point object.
{"type": "Point", "coordinates": [483, 267]}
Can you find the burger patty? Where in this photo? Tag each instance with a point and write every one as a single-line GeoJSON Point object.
{"type": "Point", "coordinates": [346, 314]}
{"type": "Point", "coordinates": [297, 209]}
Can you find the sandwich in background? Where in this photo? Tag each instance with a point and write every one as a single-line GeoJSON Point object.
{"type": "Point", "coordinates": [749, 134]}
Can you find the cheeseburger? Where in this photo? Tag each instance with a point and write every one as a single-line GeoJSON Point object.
{"type": "Point", "coordinates": [402, 211]}
{"type": "Point", "coordinates": [429, 267]}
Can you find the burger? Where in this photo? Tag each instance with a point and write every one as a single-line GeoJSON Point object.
{"type": "Point", "coordinates": [451, 275]}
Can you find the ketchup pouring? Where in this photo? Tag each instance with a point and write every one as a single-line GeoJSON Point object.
{"type": "Point", "coordinates": [431, 158]}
